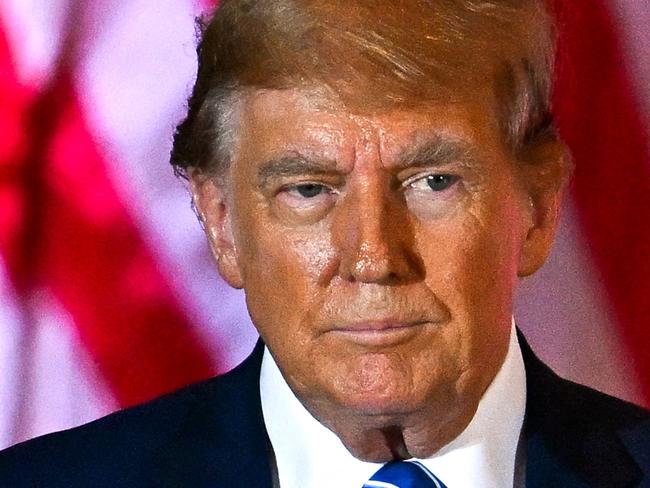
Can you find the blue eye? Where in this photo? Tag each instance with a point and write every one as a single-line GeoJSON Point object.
{"type": "Point", "coordinates": [436, 182]}
{"type": "Point", "coordinates": [309, 190]}
{"type": "Point", "coordinates": [440, 182]}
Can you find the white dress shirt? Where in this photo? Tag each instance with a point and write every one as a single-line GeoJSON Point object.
{"type": "Point", "coordinates": [308, 455]}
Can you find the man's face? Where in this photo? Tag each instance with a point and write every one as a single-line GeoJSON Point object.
{"type": "Point", "coordinates": [378, 255]}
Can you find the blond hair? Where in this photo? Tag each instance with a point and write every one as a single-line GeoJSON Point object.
{"type": "Point", "coordinates": [371, 54]}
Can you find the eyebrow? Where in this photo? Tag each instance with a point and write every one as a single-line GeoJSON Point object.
{"type": "Point", "coordinates": [293, 165]}
{"type": "Point", "coordinates": [437, 151]}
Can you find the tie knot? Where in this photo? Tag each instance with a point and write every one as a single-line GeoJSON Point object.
{"type": "Point", "coordinates": [404, 474]}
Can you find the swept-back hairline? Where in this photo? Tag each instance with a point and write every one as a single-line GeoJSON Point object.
{"type": "Point", "coordinates": [211, 154]}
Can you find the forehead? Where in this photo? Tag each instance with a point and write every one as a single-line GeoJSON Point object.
{"type": "Point", "coordinates": [312, 123]}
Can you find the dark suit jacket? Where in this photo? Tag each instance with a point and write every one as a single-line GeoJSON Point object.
{"type": "Point", "coordinates": [212, 435]}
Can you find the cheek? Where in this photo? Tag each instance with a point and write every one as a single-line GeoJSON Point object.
{"type": "Point", "coordinates": [297, 259]}
{"type": "Point", "coordinates": [471, 260]}
{"type": "Point", "coordinates": [283, 269]}
{"type": "Point", "coordinates": [470, 267]}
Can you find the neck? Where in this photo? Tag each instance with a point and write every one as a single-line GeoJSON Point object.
{"type": "Point", "coordinates": [403, 435]}
{"type": "Point", "coordinates": [485, 449]}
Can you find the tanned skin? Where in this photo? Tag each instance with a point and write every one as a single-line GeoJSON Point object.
{"type": "Point", "coordinates": [379, 254]}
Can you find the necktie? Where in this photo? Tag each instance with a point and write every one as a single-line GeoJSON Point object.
{"type": "Point", "coordinates": [404, 474]}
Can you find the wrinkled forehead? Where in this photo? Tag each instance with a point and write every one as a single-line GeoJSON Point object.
{"type": "Point", "coordinates": [314, 124]}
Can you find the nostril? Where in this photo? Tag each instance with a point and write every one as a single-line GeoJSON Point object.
{"type": "Point", "coordinates": [377, 264]}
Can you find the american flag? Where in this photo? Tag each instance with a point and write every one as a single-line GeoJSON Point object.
{"type": "Point", "coordinates": [108, 296]}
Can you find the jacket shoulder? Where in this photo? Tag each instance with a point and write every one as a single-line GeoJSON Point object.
{"type": "Point", "coordinates": [577, 433]}
{"type": "Point", "coordinates": [595, 413]}
{"type": "Point", "coordinates": [577, 407]}
{"type": "Point", "coordinates": [118, 449]}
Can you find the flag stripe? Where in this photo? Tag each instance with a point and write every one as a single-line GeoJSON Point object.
{"type": "Point", "coordinates": [14, 101]}
{"type": "Point", "coordinates": [599, 117]}
{"type": "Point", "coordinates": [77, 239]}
{"type": "Point", "coordinates": [125, 311]}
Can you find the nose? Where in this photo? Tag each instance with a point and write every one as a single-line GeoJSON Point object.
{"type": "Point", "coordinates": [375, 235]}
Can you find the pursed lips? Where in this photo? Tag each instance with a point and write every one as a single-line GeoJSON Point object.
{"type": "Point", "coordinates": [377, 326]}
{"type": "Point", "coordinates": [378, 333]}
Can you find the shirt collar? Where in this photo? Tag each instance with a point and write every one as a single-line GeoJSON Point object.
{"type": "Point", "coordinates": [308, 455]}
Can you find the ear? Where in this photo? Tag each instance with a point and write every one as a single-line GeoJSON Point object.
{"type": "Point", "coordinates": [545, 173]}
{"type": "Point", "coordinates": [213, 209]}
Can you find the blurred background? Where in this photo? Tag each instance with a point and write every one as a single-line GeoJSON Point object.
{"type": "Point", "coordinates": [107, 293]}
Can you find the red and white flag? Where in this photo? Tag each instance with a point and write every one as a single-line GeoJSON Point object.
{"type": "Point", "coordinates": [108, 296]}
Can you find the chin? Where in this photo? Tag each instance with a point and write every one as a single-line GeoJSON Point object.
{"type": "Point", "coordinates": [379, 404]}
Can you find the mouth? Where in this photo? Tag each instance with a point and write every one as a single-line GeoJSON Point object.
{"type": "Point", "coordinates": [379, 333]}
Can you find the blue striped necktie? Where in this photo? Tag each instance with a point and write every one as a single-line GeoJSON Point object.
{"type": "Point", "coordinates": [404, 474]}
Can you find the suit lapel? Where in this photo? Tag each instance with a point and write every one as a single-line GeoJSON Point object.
{"type": "Point", "coordinates": [569, 442]}
{"type": "Point", "coordinates": [222, 442]}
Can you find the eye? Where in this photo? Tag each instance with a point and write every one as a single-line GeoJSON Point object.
{"type": "Point", "coordinates": [435, 182]}
{"type": "Point", "coordinates": [306, 198]}
{"type": "Point", "coordinates": [307, 190]}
